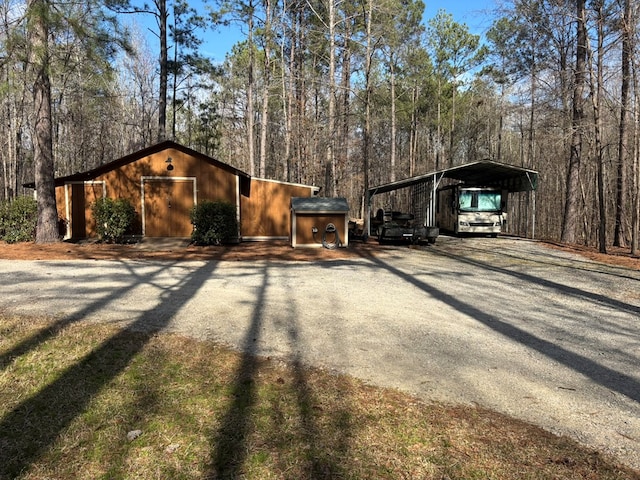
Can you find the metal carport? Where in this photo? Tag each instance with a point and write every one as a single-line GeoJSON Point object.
{"type": "Point", "coordinates": [484, 173]}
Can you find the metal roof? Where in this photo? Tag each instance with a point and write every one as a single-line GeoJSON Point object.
{"type": "Point", "coordinates": [319, 205]}
{"type": "Point", "coordinates": [485, 173]}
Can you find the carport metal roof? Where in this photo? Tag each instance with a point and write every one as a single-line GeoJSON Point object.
{"type": "Point", "coordinates": [485, 173]}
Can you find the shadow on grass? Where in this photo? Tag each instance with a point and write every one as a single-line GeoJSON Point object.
{"type": "Point", "coordinates": [326, 459]}
{"type": "Point", "coordinates": [321, 458]}
{"type": "Point", "coordinates": [229, 445]}
{"type": "Point", "coordinates": [33, 425]}
{"type": "Point", "coordinates": [32, 342]}
{"type": "Point", "coordinates": [52, 330]}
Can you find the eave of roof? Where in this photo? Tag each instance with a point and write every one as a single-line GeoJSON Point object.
{"type": "Point", "coordinates": [313, 188]}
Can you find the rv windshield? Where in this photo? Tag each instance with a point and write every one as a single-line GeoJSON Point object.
{"type": "Point", "coordinates": [480, 200]}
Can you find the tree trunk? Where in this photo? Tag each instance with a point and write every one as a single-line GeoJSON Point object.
{"type": "Point", "coordinates": [174, 82]}
{"type": "Point", "coordinates": [250, 85]}
{"type": "Point", "coordinates": [572, 201]}
{"type": "Point", "coordinates": [596, 96]}
{"type": "Point", "coordinates": [439, 126]}
{"type": "Point", "coordinates": [635, 220]}
{"type": "Point", "coordinates": [331, 184]}
{"type": "Point", "coordinates": [287, 99]}
{"type": "Point", "coordinates": [164, 70]}
{"type": "Point", "coordinates": [345, 113]}
{"type": "Point", "coordinates": [452, 149]}
{"type": "Point", "coordinates": [300, 89]}
{"type": "Point", "coordinates": [623, 148]}
{"type": "Point", "coordinates": [264, 114]}
{"type": "Point", "coordinates": [38, 31]}
{"type": "Point", "coordinates": [413, 134]}
{"type": "Point", "coordinates": [366, 134]}
{"type": "Point", "coordinates": [394, 121]}
{"type": "Point", "coordinates": [532, 118]}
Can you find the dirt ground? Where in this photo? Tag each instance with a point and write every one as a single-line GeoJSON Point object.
{"type": "Point", "coordinates": [248, 251]}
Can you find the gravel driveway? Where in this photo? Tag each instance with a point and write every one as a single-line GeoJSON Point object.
{"type": "Point", "coordinates": [507, 324]}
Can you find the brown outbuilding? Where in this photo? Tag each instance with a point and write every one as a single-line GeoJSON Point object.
{"type": "Point", "coordinates": [164, 182]}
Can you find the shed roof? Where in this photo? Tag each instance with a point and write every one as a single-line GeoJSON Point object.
{"type": "Point", "coordinates": [484, 173]}
{"type": "Point", "coordinates": [319, 205]}
{"type": "Point", "coordinates": [245, 178]}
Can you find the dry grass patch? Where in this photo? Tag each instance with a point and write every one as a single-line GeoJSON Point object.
{"type": "Point", "coordinates": [71, 394]}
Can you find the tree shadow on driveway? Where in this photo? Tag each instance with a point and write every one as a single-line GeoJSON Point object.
{"type": "Point", "coordinates": [612, 379]}
{"type": "Point", "coordinates": [564, 289]}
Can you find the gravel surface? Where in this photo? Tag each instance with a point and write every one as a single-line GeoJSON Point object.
{"type": "Point", "coordinates": [538, 334]}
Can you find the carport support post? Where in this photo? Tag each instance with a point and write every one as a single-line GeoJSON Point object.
{"type": "Point", "coordinates": [533, 214]}
{"type": "Point", "coordinates": [533, 206]}
{"type": "Point", "coordinates": [367, 216]}
{"type": "Point", "coordinates": [435, 183]}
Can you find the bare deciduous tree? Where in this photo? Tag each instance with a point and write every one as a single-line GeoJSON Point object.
{"type": "Point", "coordinates": [572, 202]}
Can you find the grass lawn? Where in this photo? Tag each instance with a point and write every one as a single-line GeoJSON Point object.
{"type": "Point", "coordinates": [98, 401]}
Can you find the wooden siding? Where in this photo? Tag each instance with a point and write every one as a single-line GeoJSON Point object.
{"type": "Point", "coordinates": [125, 181]}
{"type": "Point", "coordinates": [266, 213]}
{"type": "Point", "coordinates": [63, 216]}
{"type": "Point", "coordinates": [163, 193]}
{"type": "Point", "coordinates": [303, 224]}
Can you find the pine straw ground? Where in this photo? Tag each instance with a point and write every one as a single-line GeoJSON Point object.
{"type": "Point", "coordinates": [70, 394]}
{"type": "Point", "coordinates": [247, 251]}
{"type": "Point", "coordinates": [178, 250]}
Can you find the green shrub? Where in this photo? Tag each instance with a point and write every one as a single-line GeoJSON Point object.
{"type": "Point", "coordinates": [18, 220]}
{"type": "Point", "coordinates": [113, 218]}
{"type": "Point", "coordinates": [214, 223]}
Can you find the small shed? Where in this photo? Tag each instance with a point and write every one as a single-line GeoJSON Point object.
{"type": "Point", "coordinates": [319, 221]}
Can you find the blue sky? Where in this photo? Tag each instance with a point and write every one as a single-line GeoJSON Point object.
{"type": "Point", "coordinates": [476, 14]}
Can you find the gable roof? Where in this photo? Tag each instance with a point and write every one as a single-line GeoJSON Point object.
{"type": "Point", "coordinates": [245, 178]}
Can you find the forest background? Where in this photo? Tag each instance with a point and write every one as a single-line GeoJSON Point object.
{"type": "Point", "coordinates": [339, 94]}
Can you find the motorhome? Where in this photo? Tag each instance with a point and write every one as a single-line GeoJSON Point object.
{"type": "Point", "coordinates": [470, 210]}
